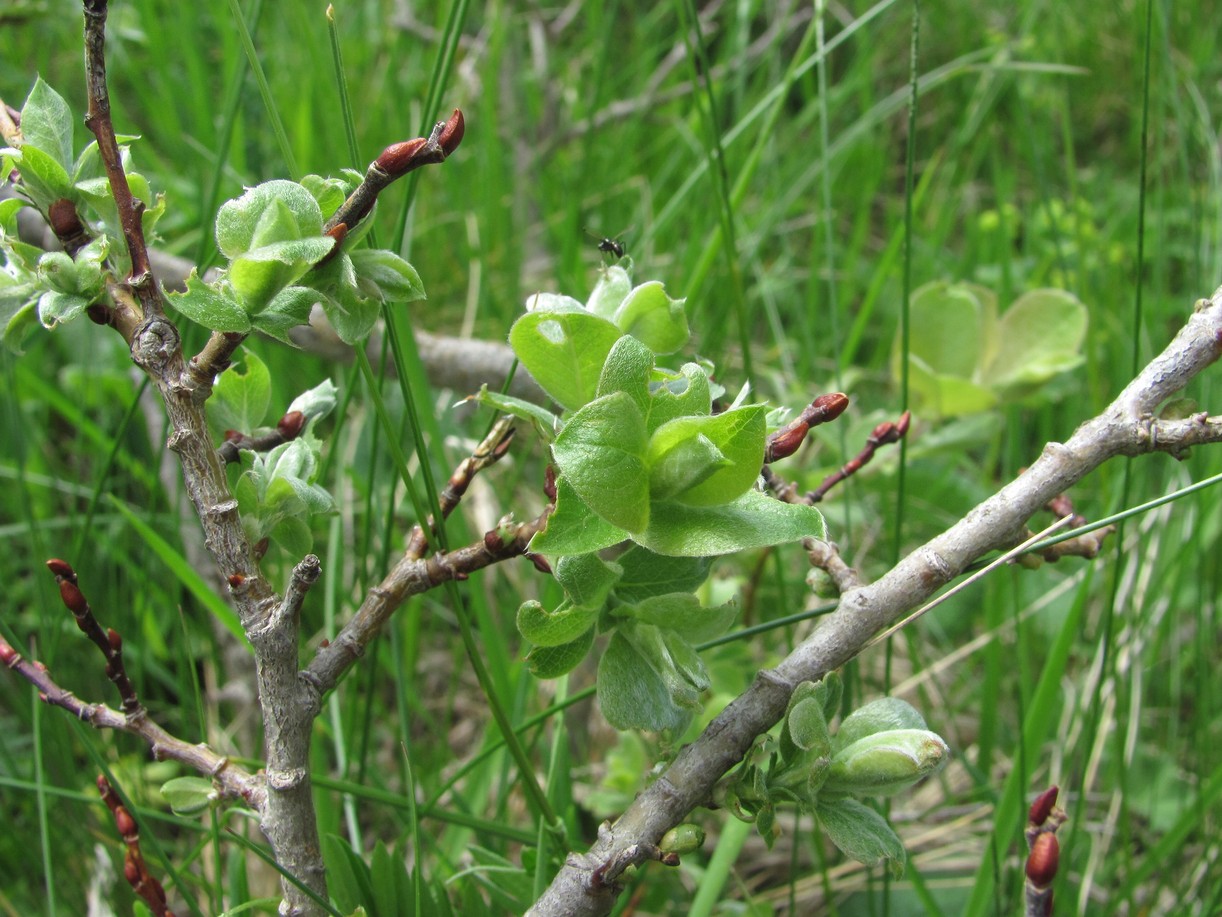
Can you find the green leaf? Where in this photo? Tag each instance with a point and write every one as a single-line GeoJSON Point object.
{"type": "Point", "coordinates": [1042, 334]}
{"type": "Point", "coordinates": [554, 628]}
{"type": "Point", "coordinates": [544, 421]}
{"type": "Point", "coordinates": [947, 328]}
{"type": "Point", "coordinates": [647, 574]}
{"type": "Point", "coordinates": [862, 833]}
{"type": "Point", "coordinates": [189, 795]}
{"type": "Point", "coordinates": [656, 320]}
{"type": "Point", "coordinates": [261, 273]}
{"type": "Point", "coordinates": [386, 874]}
{"type": "Point", "coordinates": [44, 179]}
{"type": "Point", "coordinates": [601, 451]}
{"type": "Point", "coordinates": [611, 290]}
{"type": "Point", "coordinates": [273, 212]}
{"type": "Point", "coordinates": [587, 579]}
{"type": "Point", "coordinates": [60, 308]}
{"type": "Point", "coordinates": [565, 352]}
{"type": "Point", "coordinates": [46, 123]}
{"type": "Point", "coordinates": [554, 661]}
{"type": "Point", "coordinates": [627, 369]}
{"type": "Point", "coordinates": [947, 396]}
{"type": "Point", "coordinates": [293, 534]}
{"type": "Point", "coordinates": [348, 878]}
{"type": "Point", "coordinates": [633, 695]}
{"type": "Point", "coordinates": [885, 763]}
{"type": "Point", "coordinates": [704, 461]}
{"type": "Point", "coordinates": [240, 399]}
{"type": "Point", "coordinates": [316, 402]}
{"type": "Point", "coordinates": [754, 520]}
{"type": "Point", "coordinates": [288, 309]}
{"type": "Point", "coordinates": [807, 726]}
{"type": "Point", "coordinates": [880, 715]}
{"type": "Point", "coordinates": [351, 316]}
{"type": "Point", "coordinates": [572, 528]}
{"type": "Point", "coordinates": [682, 613]}
{"type": "Point", "coordinates": [678, 394]}
{"type": "Point", "coordinates": [395, 279]}
{"type": "Point", "coordinates": [206, 305]}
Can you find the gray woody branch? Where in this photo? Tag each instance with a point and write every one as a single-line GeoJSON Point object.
{"type": "Point", "coordinates": [1128, 427]}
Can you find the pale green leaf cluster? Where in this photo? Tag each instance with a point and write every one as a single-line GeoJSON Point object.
{"type": "Point", "coordinates": [640, 458]}
{"type": "Point", "coordinates": [963, 358]}
{"type": "Point", "coordinates": [880, 749]}
{"type": "Point", "coordinates": [53, 287]}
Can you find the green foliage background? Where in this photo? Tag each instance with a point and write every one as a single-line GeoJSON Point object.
{"type": "Point", "coordinates": [1029, 158]}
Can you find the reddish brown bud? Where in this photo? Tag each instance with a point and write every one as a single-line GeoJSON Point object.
{"type": "Point", "coordinates": [828, 407]}
{"type": "Point", "coordinates": [1041, 808]}
{"type": "Point", "coordinates": [131, 871]}
{"type": "Point", "coordinates": [493, 540]}
{"type": "Point", "coordinates": [233, 436]}
{"type": "Point", "coordinates": [126, 825]}
{"type": "Point", "coordinates": [904, 422]}
{"type": "Point", "coordinates": [73, 597]}
{"type": "Point", "coordinates": [398, 158]}
{"type": "Point", "coordinates": [99, 314]}
{"type": "Point", "coordinates": [103, 785]}
{"type": "Point", "coordinates": [324, 643]}
{"type": "Point", "coordinates": [261, 548]}
{"type": "Point", "coordinates": [540, 563]}
{"type": "Point", "coordinates": [236, 580]}
{"type": "Point", "coordinates": [1043, 860]}
{"type": "Point", "coordinates": [8, 656]}
{"type": "Point", "coordinates": [452, 133]}
{"type": "Point", "coordinates": [61, 568]}
{"type": "Point", "coordinates": [291, 424]}
{"type": "Point", "coordinates": [670, 858]}
{"type": "Point", "coordinates": [786, 442]}
{"type": "Point", "coordinates": [549, 484]}
{"type": "Point", "coordinates": [115, 640]}
{"type": "Point", "coordinates": [338, 232]}
{"type": "Point", "coordinates": [65, 222]}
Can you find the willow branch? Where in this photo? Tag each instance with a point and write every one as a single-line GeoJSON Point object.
{"type": "Point", "coordinates": [1128, 427]}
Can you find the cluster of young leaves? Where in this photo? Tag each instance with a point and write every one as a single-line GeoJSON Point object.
{"type": "Point", "coordinates": [640, 457]}
{"type": "Point", "coordinates": [879, 750]}
{"type": "Point", "coordinates": [964, 359]}
{"type": "Point", "coordinates": [281, 262]}
{"type": "Point", "coordinates": [54, 287]}
{"type": "Point", "coordinates": [275, 490]}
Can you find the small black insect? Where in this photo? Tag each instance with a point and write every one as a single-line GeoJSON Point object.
{"type": "Point", "coordinates": [609, 246]}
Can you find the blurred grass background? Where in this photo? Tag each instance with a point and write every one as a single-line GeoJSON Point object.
{"type": "Point", "coordinates": [594, 118]}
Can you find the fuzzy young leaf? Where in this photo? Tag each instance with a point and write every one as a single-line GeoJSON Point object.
{"type": "Point", "coordinates": [721, 456]}
{"type": "Point", "coordinates": [587, 579]}
{"type": "Point", "coordinates": [647, 574]}
{"type": "Point", "coordinates": [886, 763]}
{"type": "Point", "coordinates": [240, 399]}
{"type": "Point", "coordinates": [754, 520]}
{"type": "Point", "coordinates": [351, 315]}
{"type": "Point", "coordinates": [554, 661]}
{"type": "Point", "coordinates": [42, 178]}
{"type": "Point", "coordinates": [554, 628]}
{"type": "Point", "coordinates": [46, 123]}
{"type": "Point", "coordinates": [395, 279]}
{"type": "Point", "coordinates": [189, 795]}
{"type": "Point", "coordinates": [655, 319]}
{"type": "Point", "coordinates": [609, 293]}
{"type": "Point", "coordinates": [261, 273]}
{"type": "Point", "coordinates": [572, 528]}
{"type": "Point", "coordinates": [632, 694]}
{"type": "Point", "coordinates": [316, 402]}
{"type": "Point", "coordinates": [879, 715]}
{"type": "Point", "coordinates": [807, 726]}
{"type": "Point", "coordinates": [288, 309]}
{"type": "Point", "coordinates": [682, 613]}
{"type": "Point", "coordinates": [682, 394]}
{"type": "Point", "coordinates": [544, 421]}
{"type": "Point", "coordinates": [275, 211]}
{"type": "Point", "coordinates": [565, 352]}
{"type": "Point", "coordinates": [601, 452]}
{"type": "Point", "coordinates": [206, 305]}
{"type": "Point", "coordinates": [862, 833]}
{"type": "Point", "coordinates": [627, 369]}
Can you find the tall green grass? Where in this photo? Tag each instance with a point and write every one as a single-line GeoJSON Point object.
{"type": "Point", "coordinates": [767, 184]}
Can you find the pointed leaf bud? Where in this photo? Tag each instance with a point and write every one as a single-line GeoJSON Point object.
{"type": "Point", "coordinates": [397, 159]}
{"type": "Point", "coordinates": [1041, 808]}
{"type": "Point", "coordinates": [1043, 860]}
{"type": "Point", "coordinates": [885, 763]}
{"type": "Point", "coordinates": [452, 133]}
{"type": "Point", "coordinates": [290, 425]}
